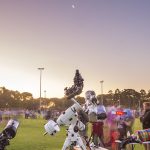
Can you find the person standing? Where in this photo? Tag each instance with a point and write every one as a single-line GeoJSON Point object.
{"type": "Point", "coordinates": [97, 114]}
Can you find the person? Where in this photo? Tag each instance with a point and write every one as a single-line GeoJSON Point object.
{"type": "Point", "coordinates": [48, 114]}
{"type": "Point", "coordinates": [145, 119]}
{"type": "Point", "coordinates": [129, 120]}
{"type": "Point", "coordinates": [97, 114]}
{"type": "Point", "coordinates": [112, 123]}
{"type": "Point", "coordinates": [27, 114]}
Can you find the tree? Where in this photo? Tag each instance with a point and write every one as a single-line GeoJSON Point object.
{"type": "Point", "coordinates": [130, 98]}
{"type": "Point", "coordinates": [117, 96]}
{"type": "Point", "coordinates": [143, 95]}
{"type": "Point", "coordinates": [26, 96]}
{"type": "Point", "coordinates": [148, 95]}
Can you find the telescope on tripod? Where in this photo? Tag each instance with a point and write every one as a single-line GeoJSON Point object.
{"type": "Point", "coordinates": [8, 133]}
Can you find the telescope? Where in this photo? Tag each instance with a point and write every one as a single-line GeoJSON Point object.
{"type": "Point", "coordinates": [8, 133]}
{"type": "Point", "coordinates": [76, 88]}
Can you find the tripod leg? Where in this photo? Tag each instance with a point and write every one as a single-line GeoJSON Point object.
{"type": "Point", "coordinates": [67, 143]}
{"type": "Point", "coordinates": [81, 144]}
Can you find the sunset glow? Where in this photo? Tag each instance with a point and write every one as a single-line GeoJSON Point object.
{"type": "Point", "coordinates": [105, 40]}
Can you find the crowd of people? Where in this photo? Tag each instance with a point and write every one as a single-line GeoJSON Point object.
{"type": "Point", "coordinates": [114, 122]}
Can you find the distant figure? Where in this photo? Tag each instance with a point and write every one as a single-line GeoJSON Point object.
{"type": "Point", "coordinates": [32, 114]}
{"type": "Point", "coordinates": [39, 112]}
{"type": "Point", "coordinates": [48, 115]}
{"type": "Point", "coordinates": [27, 114]}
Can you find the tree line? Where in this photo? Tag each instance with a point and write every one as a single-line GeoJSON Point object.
{"type": "Point", "coordinates": [10, 99]}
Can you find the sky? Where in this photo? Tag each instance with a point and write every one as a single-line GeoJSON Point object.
{"type": "Point", "coordinates": [106, 40]}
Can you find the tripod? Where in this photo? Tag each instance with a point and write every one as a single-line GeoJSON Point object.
{"type": "Point", "coordinates": [4, 141]}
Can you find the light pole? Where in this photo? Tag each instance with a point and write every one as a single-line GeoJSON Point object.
{"type": "Point", "coordinates": [41, 69]}
{"type": "Point", "coordinates": [101, 91]}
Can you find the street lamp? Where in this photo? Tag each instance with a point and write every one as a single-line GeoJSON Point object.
{"type": "Point", "coordinates": [101, 91]}
{"type": "Point", "coordinates": [40, 83]}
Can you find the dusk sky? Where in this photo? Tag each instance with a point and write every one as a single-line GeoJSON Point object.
{"type": "Point", "coordinates": [105, 39]}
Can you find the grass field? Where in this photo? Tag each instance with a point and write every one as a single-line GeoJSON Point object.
{"type": "Point", "coordinates": [30, 136]}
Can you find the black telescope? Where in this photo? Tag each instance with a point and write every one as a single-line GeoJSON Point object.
{"type": "Point", "coordinates": [76, 88]}
{"type": "Point", "coordinates": [8, 133]}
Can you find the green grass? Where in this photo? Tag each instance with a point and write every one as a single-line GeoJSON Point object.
{"type": "Point", "coordinates": [30, 136]}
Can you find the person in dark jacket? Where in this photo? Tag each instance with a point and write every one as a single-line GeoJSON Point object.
{"type": "Point", "coordinates": [145, 119]}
